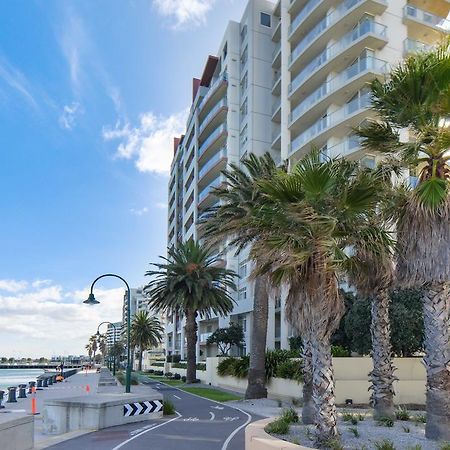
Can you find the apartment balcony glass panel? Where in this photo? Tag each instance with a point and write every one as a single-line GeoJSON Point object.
{"type": "Point", "coordinates": [350, 108]}
{"type": "Point", "coordinates": [207, 190]}
{"type": "Point", "coordinates": [212, 89]}
{"type": "Point", "coordinates": [413, 46]}
{"type": "Point", "coordinates": [212, 137]}
{"type": "Point", "coordinates": [301, 15]}
{"type": "Point", "coordinates": [365, 27]}
{"type": "Point", "coordinates": [427, 18]}
{"type": "Point", "coordinates": [356, 69]}
{"type": "Point", "coordinates": [212, 162]}
{"type": "Point", "coordinates": [207, 119]}
{"type": "Point", "coordinates": [204, 337]}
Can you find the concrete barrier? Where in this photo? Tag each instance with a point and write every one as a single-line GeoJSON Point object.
{"type": "Point", "coordinates": [257, 439]}
{"type": "Point", "coordinates": [16, 432]}
{"type": "Point", "coordinates": [98, 411]}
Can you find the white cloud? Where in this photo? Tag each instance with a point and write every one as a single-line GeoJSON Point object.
{"type": "Point", "coordinates": [12, 285]}
{"type": "Point", "coordinates": [139, 212]}
{"type": "Point", "coordinates": [67, 119]}
{"type": "Point", "coordinates": [41, 318]}
{"type": "Point", "coordinates": [150, 144]}
{"type": "Point", "coordinates": [161, 205]}
{"type": "Point", "coordinates": [184, 12]}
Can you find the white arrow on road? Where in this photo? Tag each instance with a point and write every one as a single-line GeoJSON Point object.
{"type": "Point", "coordinates": [213, 416]}
{"type": "Point", "coordinates": [217, 407]}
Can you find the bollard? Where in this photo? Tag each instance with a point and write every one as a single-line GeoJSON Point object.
{"type": "Point", "coordinates": [31, 385]}
{"type": "Point", "coordinates": [2, 395]}
{"type": "Point", "coordinates": [22, 391]}
{"type": "Point", "coordinates": [11, 395]}
{"type": "Point", "coordinates": [45, 382]}
{"type": "Point", "coordinates": [39, 384]}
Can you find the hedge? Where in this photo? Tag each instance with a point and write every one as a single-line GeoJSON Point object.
{"type": "Point", "coordinates": [183, 365]}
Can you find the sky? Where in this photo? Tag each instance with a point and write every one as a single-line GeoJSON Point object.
{"type": "Point", "coordinates": [92, 93]}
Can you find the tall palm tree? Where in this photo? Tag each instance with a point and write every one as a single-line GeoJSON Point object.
{"type": "Point", "coordinates": [88, 347]}
{"type": "Point", "coordinates": [416, 98]}
{"type": "Point", "coordinates": [312, 218]}
{"type": "Point", "coordinates": [94, 345]}
{"type": "Point", "coordinates": [240, 195]}
{"type": "Point", "coordinates": [146, 332]}
{"type": "Point", "coordinates": [102, 346]}
{"type": "Point", "coordinates": [191, 280]}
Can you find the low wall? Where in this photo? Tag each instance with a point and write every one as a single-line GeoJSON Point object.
{"type": "Point", "coordinates": [257, 439]}
{"type": "Point", "coordinates": [16, 432]}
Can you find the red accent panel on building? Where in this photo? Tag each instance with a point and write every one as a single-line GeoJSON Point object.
{"type": "Point", "coordinates": [176, 141]}
{"type": "Point", "coordinates": [209, 70]}
{"type": "Point", "coordinates": [195, 86]}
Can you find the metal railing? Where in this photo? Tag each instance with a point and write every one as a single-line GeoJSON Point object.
{"type": "Point", "coordinates": [212, 137]}
{"type": "Point", "coordinates": [221, 104]}
{"type": "Point", "coordinates": [426, 17]}
{"type": "Point", "coordinates": [212, 162]}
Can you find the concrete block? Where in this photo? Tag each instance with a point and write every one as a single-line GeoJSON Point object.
{"type": "Point", "coordinates": [94, 412]}
{"type": "Point", "coordinates": [16, 431]}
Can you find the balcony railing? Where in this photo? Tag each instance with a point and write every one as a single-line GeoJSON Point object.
{"type": "Point", "coordinates": [412, 46]}
{"type": "Point", "coordinates": [327, 22]}
{"type": "Point", "coordinates": [302, 14]}
{"type": "Point", "coordinates": [360, 66]}
{"type": "Point", "coordinates": [426, 17]}
{"type": "Point", "coordinates": [204, 336]}
{"type": "Point", "coordinates": [358, 103]}
{"type": "Point", "coordinates": [365, 27]}
{"type": "Point", "coordinates": [207, 190]}
{"type": "Point", "coordinates": [276, 106]}
{"type": "Point", "coordinates": [212, 137]}
{"type": "Point", "coordinates": [211, 114]}
{"type": "Point", "coordinates": [213, 88]}
{"type": "Point", "coordinates": [276, 50]}
{"type": "Point", "coordinates": [212, 162]}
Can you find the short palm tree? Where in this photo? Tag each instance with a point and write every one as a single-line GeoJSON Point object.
{"type": "Point", "coordinates": [191, 280]}
{"type": "Point", "coordinates": [313, 217]}
{"type": "Point", "coordinates": [146, 333]}
{"type": "Point", "coordinates": [415, 98]}
{"type": "Point", "coordinates": [240, 196]}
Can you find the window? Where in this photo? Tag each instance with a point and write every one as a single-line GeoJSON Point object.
{"type": "Point", "coordinates": [244, 107]}
{"type": "Point", "coordinates": [243, 135]}
{"type": "Point", "coordinates": [244, 56]}
{"type": "Point", "coordinates": [323, 154]}
{"type": "Point", "coordinates": [265, 19]}
{"type": "Point", "coordinates": [242, 294]}
{"type": "Point", "coordinates": [244, 83]}
{"type": "Point", "coordinates": [243, 33]}
{"type": "Point", "coordinates": [242, 270]}
{"type": "Point", "coordinates": [225, 50]}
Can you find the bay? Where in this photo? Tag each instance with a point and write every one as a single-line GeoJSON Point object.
{"type": "Point", "coordinates": [14, 377]}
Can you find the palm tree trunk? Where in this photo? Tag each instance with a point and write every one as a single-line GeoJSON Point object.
{"type": "Point", "coordinates": [191, 340]}
{"type": "Point", "coordinates": [308, 404]}
{"type": "Point", "coordinates": [256, 387]}
{"type": "Point", "coordinates": [323, 388]}
{"type": "Point", "coordinates": [382, 375]}
{"type": "Point", "coordinates": [140, 360]}
{"type": "Point", "coordinates": [436, 306]}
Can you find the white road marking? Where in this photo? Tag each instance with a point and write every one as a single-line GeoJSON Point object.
{"type": "Point", "coordinates": [146, 431]}
{"type": "Point", "coordinates": [230, 419]}
{"type": "Point", "coordinates": [176, 396]}
{"type": "Point", "coordinates": [191, 419]}
{"type": "Point", "coordinates": [213, 416]}
{"type": "Point", "coordinates": [217, 407]}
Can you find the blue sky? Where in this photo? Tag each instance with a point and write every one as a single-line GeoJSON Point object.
{"type": "Point", "coordinates": [91, 94]}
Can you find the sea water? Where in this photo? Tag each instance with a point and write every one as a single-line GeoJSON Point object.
{"type": "Point", "coordinates": [14, 377]}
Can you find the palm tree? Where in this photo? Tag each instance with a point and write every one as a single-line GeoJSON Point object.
{"type": "Point", "coordinates": [94, 345]}
{"type": "Point", "coordinates": [190, 280]}
{"type": "Point", "coordinates": [116, 351]}
{"type": "Point", "coordinates": [240, 195]}
{"type": "Point", "coordinates": [312, 219]}
{"type": "Point", "coordinates": [101, 339]}
{"type": "Point", "coordinates": [88, 347]}
{"type": "Point", "coordinates": [415, 98]}
{"type": "Point", "coordinates": [146, 332]}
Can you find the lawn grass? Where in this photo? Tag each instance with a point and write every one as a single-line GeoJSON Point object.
{"type": "Point", "coordinates": [165, 380]}
{"type": "Point", "coordinates": [212, 394]}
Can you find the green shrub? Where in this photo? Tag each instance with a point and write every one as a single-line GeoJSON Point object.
{"type": "Point", "coordinates": [339, 351]}
{"type": "Point", "coordinates": [385, 422]}
{"type": "Point", "coordinates": [421, 418]}
{"type": "Point", "coordinates": [183, 379]}
{"type": "Point", "coordinates": [289, 415]}
{"type": "Point", "coordinates": [177, 376]}
{"type": "Point", "coordinates": [168, 408]}
{"type": "Point", "coordinates": [180, 365]}
{"type": "Point", "coordinates": [445, 446]}
{"type": "Point", "coordinates": [332, 444]}
{"type": "Point", "coordinates": [290, 370]}
{"type": "Point", "coordinates": [157, 364]}
{"type": "Point", "coordinates": [402, 414]}
{"type": "Point", "coordinates": [278, 426]}
{"type": "Point", "coordinates": [354, 431]}
{"type": "Point", "coordinates": [407, 430]}
{"type": "Point", "coordinates": [240, 368]}
{"type": "Point", "coordinates": [226, 367]}
{"type": "Point", "coordinates": [384, 445]}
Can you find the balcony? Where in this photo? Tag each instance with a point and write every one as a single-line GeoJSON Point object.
{"type": "Point", "coordinates": [214, 89]}
{"type": "Point", "coordinates": [423, 24]}
{"type": "Point", "coordinates": [276, 111]}
{"type": "Point", "coordinates": [367, 34]}
{"type": "Point", "coordinates": [204, 337]}
{"type": "Point", "coordinates": [412, 46]}
{"type": "Point", "coordinates": [352, 79]}
{"type": "Point", "coordinates": [325, 126]}
{"type": "Point", "coordinates": [276, 138]}
{"type": "Point", "coordinates": [333, 25]}
{"type": "Point", "coordinates": [215, 111]}
{"type": "Point", "coordinates": [276, 84]}
{"type": "Point", "coordinates": [213, 162]}
{"type": "Point", "coordinates": [276, 56]}
{"type": "Point", "coordinates": [212, 140]}
{"type": "Point", "coordinates": [311, 11]}
{"type": "Point", "coordinates": [206, 192]}
{"type": "Point", "coordinates": [276, 35]}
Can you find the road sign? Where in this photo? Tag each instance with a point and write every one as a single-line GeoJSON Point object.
{"type": "Point", "coordinates": [140, 408]}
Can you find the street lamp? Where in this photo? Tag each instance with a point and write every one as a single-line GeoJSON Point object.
{"type": "Point", "coordinates": [92, 301]}
{"type": "Point", "coordinates": [114, 342]}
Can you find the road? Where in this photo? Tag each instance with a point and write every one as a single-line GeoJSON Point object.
{"type": "Point", "coordinates": [200, 424]}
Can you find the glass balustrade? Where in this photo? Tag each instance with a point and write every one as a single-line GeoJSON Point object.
{"type": "Point", "coordinates": [365, 27]}
{"type": "Point", "coordinates": [276, 50]}
{"type": "Point", "coordinates": [212, 137]}
{"type": "Point", "coordinates": [212, 162]}
{"type": "Point", "coordinates": [411, 46]}
{"type": "Point", "coordinates": [426, 17]}
{"type": "Point", "coordinates": [211, 114]}
{"type": "Point", "coordinates": [302, 14]}
{"type": "Point", "coordinates": [360, 66]}
{"type": "Point", "coordinates": [207, 190]}
{"type": "Point", "coordinates": [212, 89]}
{"type": "Point", "coordinates": [358, 103]}
{"type": "Point", "coordinates": [276, 106]}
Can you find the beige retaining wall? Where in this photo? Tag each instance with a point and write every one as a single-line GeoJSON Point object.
{"type": "Point", "coordinates": [351, 376]}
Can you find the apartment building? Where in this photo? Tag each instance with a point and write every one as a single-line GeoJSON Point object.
{"type": "Point", "coordinates": [287, 77]}
{"type": "Point", "coordinates": [113, 333]}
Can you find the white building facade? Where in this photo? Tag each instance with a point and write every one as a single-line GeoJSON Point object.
{"type": "Point", "coordinates": [287, 77]}
{"type": "Point", "coordinates": [113, 334]}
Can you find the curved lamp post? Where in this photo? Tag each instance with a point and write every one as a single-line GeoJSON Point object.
{"type": "Point", "coordinates": [114, 343]}
{"type": "Point", "coordinates": [92, 301]}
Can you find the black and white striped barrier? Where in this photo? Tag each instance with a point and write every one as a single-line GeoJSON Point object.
{"type": "Point", "coordinates": [140, 408]}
